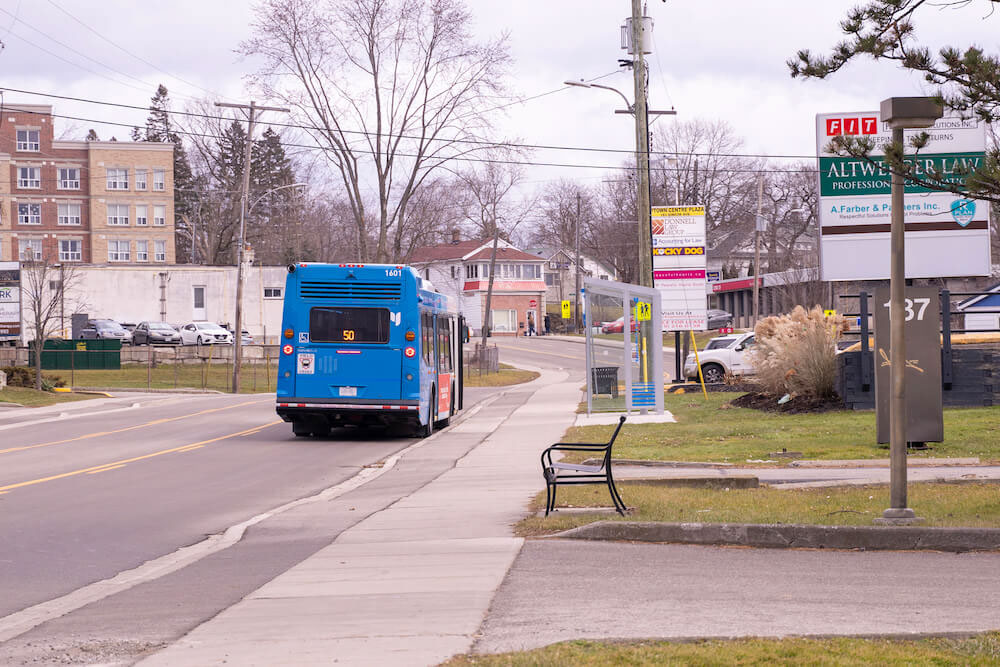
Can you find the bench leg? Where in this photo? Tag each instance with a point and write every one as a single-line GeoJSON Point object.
{"type": "Point", "coordinates": [548, 497]}
{"type": "Point", "coordinates": [615, 498]}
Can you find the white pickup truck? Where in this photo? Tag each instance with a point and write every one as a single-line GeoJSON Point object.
{"type": "Point", "coordinates": [721, 356]}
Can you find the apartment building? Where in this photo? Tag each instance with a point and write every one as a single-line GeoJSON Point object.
{"type": "Point", "coordinates": [82, 201]}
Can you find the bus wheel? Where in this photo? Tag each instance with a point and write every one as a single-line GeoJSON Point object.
{"type": "Point", "coordinates": [427, 430]}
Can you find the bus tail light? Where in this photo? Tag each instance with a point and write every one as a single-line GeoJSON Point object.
{"type": "Point", "coordinates": [289, 333]}
{"type": "Point", "coordinates": [411, 336]}
{"type": "Point", "coordinates": [410, 352]}
{"type": "Point", "coordinates": [287, 349]}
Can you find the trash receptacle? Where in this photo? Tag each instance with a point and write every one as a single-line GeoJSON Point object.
{"type": "Point", "coordinates": [605, 380]}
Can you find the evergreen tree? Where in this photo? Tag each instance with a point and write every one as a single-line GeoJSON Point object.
{"type": "Point", "coordinates": [967, 78]}
{"type": "Point", "coordinates": [92, 135]}
{"type": "Point", "coordinates": [160, 129]}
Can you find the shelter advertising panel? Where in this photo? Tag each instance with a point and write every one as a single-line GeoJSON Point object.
{"type": "Point", "coordinates": [10, 299]}
{"type": "Point", "coordinates": [679, 266]}
{"type": "Point", "coordinates": [947, 234]}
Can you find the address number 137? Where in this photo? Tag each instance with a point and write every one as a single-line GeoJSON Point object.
{"type": "Point", "coordinates": [909, 304]}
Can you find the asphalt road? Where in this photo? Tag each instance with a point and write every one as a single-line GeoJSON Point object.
{"type": "Point", "coordinates": [560, 353]}
{"type": "Point", "coordinates": [83, 498]}
{"type": "Point", "coordinates": [562, 589]}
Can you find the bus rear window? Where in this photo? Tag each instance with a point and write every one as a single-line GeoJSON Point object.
{"type": "Point", "coordinates": [348, 325]}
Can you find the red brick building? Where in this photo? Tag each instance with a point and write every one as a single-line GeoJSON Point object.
{"type": "Point", "coordinates": [81, 201]}
{"type": "Point", "coordinates": [460, 269]}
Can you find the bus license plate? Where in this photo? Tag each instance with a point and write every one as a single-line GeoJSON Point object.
{"type": "Point", "coordinates": [348, 391]}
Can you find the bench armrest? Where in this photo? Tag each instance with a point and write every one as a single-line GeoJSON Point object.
{"type": "Point", "coordinates": [577, 447]}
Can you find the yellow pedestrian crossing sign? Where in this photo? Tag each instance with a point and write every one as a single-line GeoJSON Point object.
{"type": "Point", "coordinates": [565, 310]}
{"type": "Point", "coordinates": [829, 313]}
{"type": "Point", "coordinates": [643, 311]}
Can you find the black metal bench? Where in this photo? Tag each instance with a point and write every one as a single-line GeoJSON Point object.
{"type": "Point", "coordinates": [557, 473]}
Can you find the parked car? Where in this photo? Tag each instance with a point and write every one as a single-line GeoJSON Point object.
{"type": "Point", "coordinates": [722, 355]}
{"type": "Point", "coordinates": [158, 333]}
{"type": "Point", "coordinates": [718, 319]}
{"type": "Point", "coordinates": [245, 338]}
{"type": "Point", "coordinates": [204, 333]}
{"type": "Point", "coordinates": [128, 326]}
{"type": "Point", "coordinates": [618, 326]}
{"type": "Point", "coordinates": [108, 329]}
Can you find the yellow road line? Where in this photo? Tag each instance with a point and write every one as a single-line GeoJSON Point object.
{"type": "Point", "coordinates": [94, 472]}
{"type": "Point", "coordinates": [99, 434]}
{"type": "Point", "coordinates": [105, 466]}
{"type": "Point", "coordinates": [190, 448]}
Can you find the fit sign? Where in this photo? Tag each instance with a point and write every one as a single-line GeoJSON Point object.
{"type": "Point", "coordinates": [947, 234]}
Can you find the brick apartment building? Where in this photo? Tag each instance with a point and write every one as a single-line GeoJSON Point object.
{"type": "Point", "coordinates": [82, 201]}
{"type": "Point", "coordinates": [460, 269]}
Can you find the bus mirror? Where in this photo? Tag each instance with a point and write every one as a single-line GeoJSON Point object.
{"type": "Point", "coordinates": [466, 337]}
{"type": "Point", "coordinates": [291, 268]}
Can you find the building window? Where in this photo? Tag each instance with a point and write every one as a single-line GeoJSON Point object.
{"type": "Point", "coordinates": [142, 251]}
{"type": "Point", "coordinates": [550, 279]}
{"type": "Point", "coordinates": [486, 270]}
{"type": "Point", "coordinates": [30, 249]}
{"type": "Point", "coordinates": [159, 180]}
{"type": "Point", "coordinates": [454, 271]}
{"type": "Point", "coordinates": [118, 251]}
{"type": "Point", "coordinates": [28, 140]}
{"type": "Point", "coordinates": [117, 179]}
{"type": "Point", "coordinates": [159, 215]}
{"type": "Point", "coordinates": [141, 215]}
{"type": "Point", "coordinates": [160, 251]}
{"type": "Point", "coordinates": [29, 214]}
{"type": "Point", "coordinates": [272, 292]}
{"type": "Point", "coordinates": [69, 178]}
{"type": "Point", "coordinates": [533, 271]}
{"type": "Point", "coordinates": [504, 321]}
{"type": "Point", "coordinates": [69, 250]}
{"type": "Point", "coordinates": [117, 214]}
{"type": "Point", "coordinates": [69, 214]}
{"type": "Point", "coordinates": [140, 179]}
{"type": "Point", "coordinates": [29, 177]}
{"type": "Point", "coordinates": [471, 271]}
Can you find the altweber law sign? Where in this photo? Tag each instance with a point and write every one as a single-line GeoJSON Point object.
{"type": "Point", "coordinates": [947, 234]}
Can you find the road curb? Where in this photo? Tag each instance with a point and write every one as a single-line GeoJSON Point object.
{"type": "Point", "coordinates": [792, 536]}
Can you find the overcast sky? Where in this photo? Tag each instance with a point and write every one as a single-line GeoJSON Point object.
{"type": "Point", "coordinates": [712, 60]}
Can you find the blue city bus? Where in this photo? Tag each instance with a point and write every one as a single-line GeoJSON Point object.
{"type": "Point", "coordinates": [367, 344]}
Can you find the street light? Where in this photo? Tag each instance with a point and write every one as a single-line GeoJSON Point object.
{"type": "Point", "coordinates": [642, 166]}
{"type": "Point", "coordinates": [900, 113]}
{"type": "Point", "coordinates": [238, 326]}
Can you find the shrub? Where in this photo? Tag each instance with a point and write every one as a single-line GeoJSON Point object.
{"type": "Point", "coordinates": [24, 376]}
{"type": "Point", "coordinates": [796, 353]}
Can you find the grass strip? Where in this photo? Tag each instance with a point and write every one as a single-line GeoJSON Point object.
{"type": "Point", "coordinates": [968, 505]}
{"type": "Point", "coordinates": [983, 649]}
{"type": "Point", "coordinates": [31, 398]}
{"type": "Point", "coordinates": [712, 430]}
{"type": "Point", "coordinates": [194, 374]}
{"type": "Point", "coordinates": [507, 375]}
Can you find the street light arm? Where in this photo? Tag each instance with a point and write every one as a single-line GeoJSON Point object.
{"type": "Point", "coordinates": [273, 190]}
{"type": "Point", "coordinates": [628, 104]}
{"type": "Point", "coordinates": [584, 84]}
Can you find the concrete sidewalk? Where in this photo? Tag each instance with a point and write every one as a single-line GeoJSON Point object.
{"type": "Point", "coordinates": [410, 584]}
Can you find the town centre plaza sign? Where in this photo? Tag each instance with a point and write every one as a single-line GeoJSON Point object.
{"type": "Point", "coordinates": [946, 234]}
{"type": "Point", "coordinates": [678, 234]}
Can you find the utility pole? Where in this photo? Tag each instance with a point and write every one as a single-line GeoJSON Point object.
{"type": "Point", "coordinates": [641, 146]}
{"type": "Point", "coordinates": [488, 315]}
{"type": "Point", "coordinates": [579, 320]}
{"type": "Point", "coordinates": [757, 224]}
{"type": "Point", "coordinates": [252, 109]}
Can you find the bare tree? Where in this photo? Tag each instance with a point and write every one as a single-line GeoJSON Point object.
{"type": "Point", "coordinates": [557, 215]}
{"type": "Point", "coordinates": [389, 88]}
{"type": "Point", "coordinates": [791, 206]}
{"type": "Point", "coordinates": [44, 293]}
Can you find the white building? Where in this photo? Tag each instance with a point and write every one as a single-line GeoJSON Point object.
{"type": "Point", "coordinates": [177, 293]}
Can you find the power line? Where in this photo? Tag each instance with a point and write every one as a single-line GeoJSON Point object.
{"type": "Point", "coordinates": [461, 158]}
{"type": "Point", "coordinates": [480, 142]}
{"type": "Point", "coordinates": [126, 51]}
